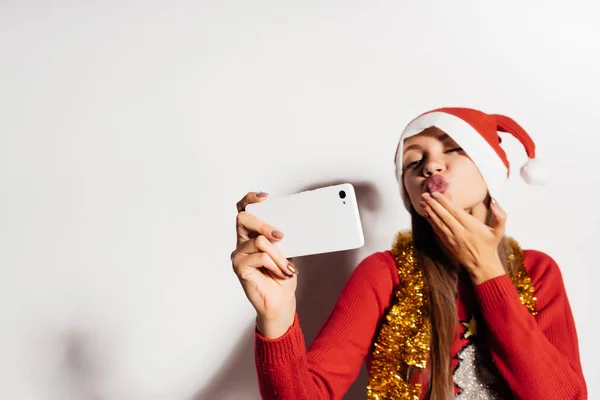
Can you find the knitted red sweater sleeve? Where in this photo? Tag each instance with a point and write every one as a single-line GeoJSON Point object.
{"type": "Point", "coordinates": [538, 356]}
{"type": "Point", "coordinates": [286, 370]}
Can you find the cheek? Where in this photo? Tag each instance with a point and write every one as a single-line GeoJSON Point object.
{"type": "Point", "coordinates": [413, 189]}
{"type": "Point", "coordinates": [473, 188]}
{"type": "Point", "coordinates": [478, 184]}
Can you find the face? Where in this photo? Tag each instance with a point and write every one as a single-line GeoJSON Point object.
{"type": "Point", "coordinates": [433, 152]}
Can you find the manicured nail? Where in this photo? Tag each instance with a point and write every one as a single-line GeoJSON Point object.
{"type": "Point", "coordinates": [436, 195]}
{"type": "Point", "coordinates": [494, 202]}
{"type": "Point", "coordinates": [426, 215]}
{"type": "Point", "coordinates": [262, 194]}
{"type": "Point", "coordinates": [277, 234]}
{"type": "Point", "coordinates": [292, 269]}
{"type": "Point", "coordinates": [423, 204]}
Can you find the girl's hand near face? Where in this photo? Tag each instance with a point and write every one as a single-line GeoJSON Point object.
{"type": "Point", "coordinates": [471, 242]}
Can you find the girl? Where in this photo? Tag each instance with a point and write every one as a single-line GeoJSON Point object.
{"type": "Point", "coordinates": [453, 310]}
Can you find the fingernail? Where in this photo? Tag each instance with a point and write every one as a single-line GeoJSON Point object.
{"type": "Point", "coordinates": [292, 269]}
{"type": "Point", "coordinates": [494, 202]}
{"type": "Point", "coordinates": [436, 195]}
{"type": "Point", "coordinates": [262, 194]}
{"type": "Point", "coordinates": [423, 204]}
{"type": "Point", "coordinates": [426, 215]}
{"type": "Point", "coordinates": [277, 234]}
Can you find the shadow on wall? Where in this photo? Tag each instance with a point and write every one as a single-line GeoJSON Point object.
{"type": "Point", "coordinates": [320, 282]}
{"type": "Point", "coordinates": [82, 366]}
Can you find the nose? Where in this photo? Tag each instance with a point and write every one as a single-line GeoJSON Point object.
{"type": "Point", "coordinates": [433, 166]}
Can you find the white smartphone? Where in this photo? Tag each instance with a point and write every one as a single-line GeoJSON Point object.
{"type": "Point", "coordinates": [315, 221]}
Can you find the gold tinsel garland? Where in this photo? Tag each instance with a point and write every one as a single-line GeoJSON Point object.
{"type": "Point", "coordinates": [405, 334]}
{"type": "Point", "coordinates": [519, 277]}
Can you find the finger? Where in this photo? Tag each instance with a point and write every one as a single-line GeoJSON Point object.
{"type": "Point", "coordinates": [261, 244]}
{"type": "Point", "coordinates": [443, 214]}
{"type": "Point", "coordinates": [246, 264]}
{"type": "Point", "coordinates": [440, 228]}
{"type": "Point", "coordinates": [272, 275]}
{"type": "Point", "coordinates": [463, 217]}
{"type": "Point", "coordinates": [249, 226]}
{"type": "Point", "coordinates": [499, 225]}
{"type": "Point", "coordinates": [251, 197]}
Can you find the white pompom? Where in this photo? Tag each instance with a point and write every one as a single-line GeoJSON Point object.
{"type": "Point", "coordinates": [534, 173]}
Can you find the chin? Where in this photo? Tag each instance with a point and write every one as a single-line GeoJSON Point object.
{"type": "Point", "coordinates": [461, 202]}
{"type": "Point", "coordinates": [449, 195]}
{"type": "Point", "coordinates": [476, 205]}
{"type": "Point", "coordinates": [456, 200]}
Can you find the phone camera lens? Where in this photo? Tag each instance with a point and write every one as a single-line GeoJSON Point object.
{"type": "Point", "coordinates": [342, 194]}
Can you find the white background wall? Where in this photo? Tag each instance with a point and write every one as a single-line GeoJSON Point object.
{"type": "Point", "coordinates": [129, 130]}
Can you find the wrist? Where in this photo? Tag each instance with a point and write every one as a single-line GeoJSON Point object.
{"type": "Point", "coordinates": [275, 325]}
{"type": "Point", "coordinates": [274, 328]}
{"type": "Point", "coordinates": [486, 270]}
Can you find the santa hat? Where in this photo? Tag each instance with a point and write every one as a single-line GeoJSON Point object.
{"type": "Point", "coordinates": [477, 133]}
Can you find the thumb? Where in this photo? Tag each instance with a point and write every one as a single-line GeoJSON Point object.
{"type": "Point", "coordinates": [499, 218]}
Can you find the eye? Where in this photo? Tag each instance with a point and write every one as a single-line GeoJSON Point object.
{"type": "Point", "coordinates": [412, 164]}
{"type": "Point", "coordinates": [454, 150]}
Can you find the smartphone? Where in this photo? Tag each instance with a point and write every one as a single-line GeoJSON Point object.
{"type": "Point", "coordinates": [314, 221]}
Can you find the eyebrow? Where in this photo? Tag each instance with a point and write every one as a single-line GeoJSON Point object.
{"type": "Point", "coordinates": [442, 138]}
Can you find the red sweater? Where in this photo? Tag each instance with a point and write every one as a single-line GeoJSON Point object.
{"type": "Point", "coordinates": [533, 357]}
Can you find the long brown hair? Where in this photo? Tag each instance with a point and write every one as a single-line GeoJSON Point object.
{"type": "Point", "coordinates": [441, 288]}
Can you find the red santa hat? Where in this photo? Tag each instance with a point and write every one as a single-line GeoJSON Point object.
{"type": "Point", "coordinates": [477, 133]}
